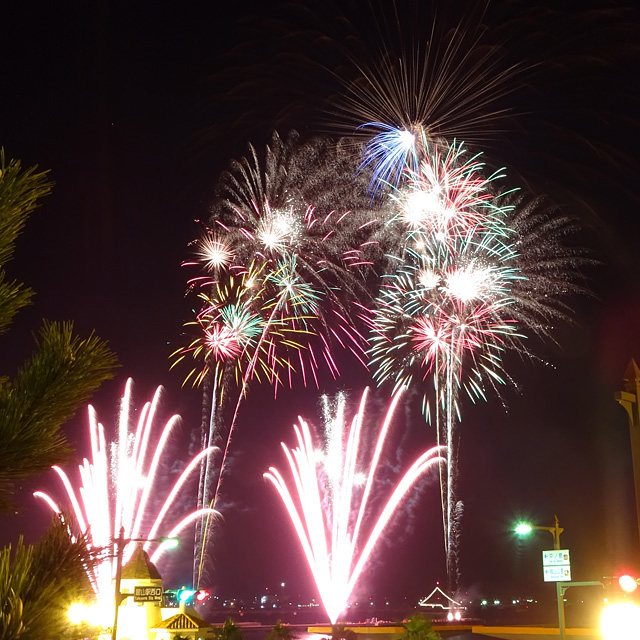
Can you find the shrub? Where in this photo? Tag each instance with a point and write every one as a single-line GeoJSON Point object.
{"type": "Point", "coordinates": [418, 627]}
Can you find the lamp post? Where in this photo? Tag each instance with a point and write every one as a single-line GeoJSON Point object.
{"type": "Point", "coordinates": [629, 398]}
{"type": "Point", "coordinates": [555, 531]}
{"type": "Point", "coordinates": [121, 543]}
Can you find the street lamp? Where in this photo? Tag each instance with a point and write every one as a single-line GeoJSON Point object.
{"type": "Point", "coordinates": [121, 543]}
{"type": "Point", "coordinates": [524, 529]}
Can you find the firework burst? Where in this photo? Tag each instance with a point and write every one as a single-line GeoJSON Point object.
{"type": "Point", "coordinates": [445, 266]}
{"type": "Point", "coordinates": [275, 299]}
{"type": "Point", "coordinates": [117, 485]}
{"type": "Point", "coordinates": [330, 505]}
{"type": "Point", "coordinates": [468, 276]}
{"type": "Point", "coordinates": [443, 87]}
{"type": "Point", "coordinates": [284, 230]}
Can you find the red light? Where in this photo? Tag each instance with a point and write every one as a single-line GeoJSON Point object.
{"type": "Point", "coordinates": [202, 595]}
{"type": "Point", "coordinates": [628, 583]}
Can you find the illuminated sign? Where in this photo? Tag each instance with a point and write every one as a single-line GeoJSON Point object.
{"type": "Point", "coordinates": [147, 594]}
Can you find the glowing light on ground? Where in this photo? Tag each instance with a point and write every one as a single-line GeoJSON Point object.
{"type": "Point", "coordinates": [621, 621]}
{"type": "Point", "coordinates": [331, 503]}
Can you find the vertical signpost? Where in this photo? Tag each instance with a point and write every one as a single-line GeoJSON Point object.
{"type": "Point", "coordinates": [556, 566]}
{"type": "Point", "coordinates": [630, 400]}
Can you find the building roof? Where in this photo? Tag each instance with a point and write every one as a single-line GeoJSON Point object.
{"type": "Point", "coordinates": [183, 620]}
{"type": "Point", "coordinates": [435, 600]}
{"type": "Point", "coordinates": [632, 373]}
{"type": "Point", "coordinates": [140, 566]}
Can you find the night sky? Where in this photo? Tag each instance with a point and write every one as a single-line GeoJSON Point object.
{"type": "Point", "coordinates": [137, 107]}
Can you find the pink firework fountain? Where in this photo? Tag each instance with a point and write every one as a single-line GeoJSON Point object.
{"type": "Point", "coordinates": [115, 489]}
{"type": "Point", "coordinates": [330, 501]}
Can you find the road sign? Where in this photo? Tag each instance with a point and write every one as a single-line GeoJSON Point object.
{"type": "Point", "coordinates": [555, 557]}
{"type": "Point", "coordinates": [147, 594]}
{"type": "Point", "coordinates": [557, 574]}
{"type": "Point", "coordinates": [556, 565]}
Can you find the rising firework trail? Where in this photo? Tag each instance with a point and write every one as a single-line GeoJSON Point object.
{"type": "Point", "coordinates": [331, 498]}
{"type": "Point", "coordinates": [415, 207]}
{"type": "Point", "coordinates": [467, 270]}
{"type": "Point", "coordinates": [472, 273]}
{"type": "Point", "coordinates": [280, 274]}
{"type": "Point", "coordinates": [117, 486]}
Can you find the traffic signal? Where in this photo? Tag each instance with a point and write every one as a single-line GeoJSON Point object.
{"type": "Point", "coordinates": [622, 587]}
{"type": "Point", "coordinates": [184, 594]}
{"type": "Point", "coordinates": [202, 595]}
{"type": "Point", "coordinates": [620, 618]}
{"type": "Point", "coordinates": [628, 583]}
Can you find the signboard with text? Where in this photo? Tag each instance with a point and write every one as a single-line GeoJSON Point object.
{"type": "Point", "coordinates": [555, 557]}
{"type": "Point", "coordinates": [147, 594]}
{"type": "Point", "coordinates": [556, 565]}
{"type": "Point", "coordinates": [557, 574]}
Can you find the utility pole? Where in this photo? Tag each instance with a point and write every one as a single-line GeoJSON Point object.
{"type": "Point", "coordinates": [629, 398]}
{"type": "Point", "coordinates": [555, 531]}
{"type": "Point", "coordinates": [120, 543]}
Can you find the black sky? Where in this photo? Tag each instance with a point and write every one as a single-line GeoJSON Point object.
{"type": "Point", "coordinates": [137, 107]}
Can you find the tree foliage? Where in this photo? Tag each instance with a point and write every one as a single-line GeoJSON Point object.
{"type": "Point", "coordinates": [418, 627]}
{"type": "Point", "coordinates": [229, 631]}
{"type": "Point", "coordinates": [279, 632]}
{"type": "Point", "coordinates": [64, 368]}
{"type": "Point", "coordinates": [341, 632]}
{"type": "Point", "coordinates": [20, 192]}
{"type": "Point", "coordinates": [38, 583]}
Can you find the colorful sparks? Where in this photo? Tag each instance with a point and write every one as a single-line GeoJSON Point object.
{"type": "Point", "coordinates": [279, 277]}
{"type": "Point", "coordinates": [117, 488]}
{"type": "Point", "coordinates": [400, 232]}
{"type": "Point", "coordinates": [331, 500]}
{"type": "Point", "coordinates": [463, 285]}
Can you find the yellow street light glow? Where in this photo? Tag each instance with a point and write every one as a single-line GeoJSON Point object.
{"type": "Point", "coordinates": [96, 614]}
{"type": "Point", "coordinates": [620, 621]}
{"type": "Point", "coordinates": [77, 613]}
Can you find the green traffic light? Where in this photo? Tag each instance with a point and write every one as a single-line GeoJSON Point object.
{"type": "Point", "coordinates": [186, 594]}
{"type": "Point", "coordinates": [523, 529]}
